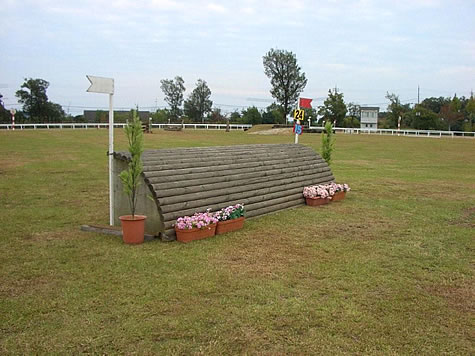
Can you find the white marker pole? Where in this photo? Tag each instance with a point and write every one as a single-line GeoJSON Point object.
{"type": "Point", "coordinates": [106, 86]}
{"type": "Point", "coordinates": [13, 112]}
{"type": "Point", "coordinates": [111, 161]}
{"type": "Point", "coordinates": [296, 134]}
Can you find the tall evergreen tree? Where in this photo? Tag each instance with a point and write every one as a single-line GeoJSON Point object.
{"type": "Point", "coordinates": [334, 108]}
{"type": "Point", "coordinates": [173, 90]}
{"type": "Point", "coordinates": [286, 78]}
{"type": "Point", "coordinates": [199, 103]}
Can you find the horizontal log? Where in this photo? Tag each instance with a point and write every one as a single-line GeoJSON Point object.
{"type": "Point", "coordinates": [275, 208]}
{"type": "Point", "coordinates": [188, 156]}
{"type": "Point", "coordinates": [249, 184]}
{"type": "Point", "coordinates": [173, 152]}
{"type": "Point", "coordinates": [230, 199]}
{"type": "Point", "coordinates": [237, 179]}
{"type": "Point", "coordinates": [200, 162]}
{"type": "Point", "coordinates": [235, 193]}
{"type": "Point", "coordinates": [228, 166]}
{"type": "Point", "coordinates": [173, 215]}
{"type": "Point", "coordinates": [257, 212]}
{"type": "Point", "coordinates": [238, 173]}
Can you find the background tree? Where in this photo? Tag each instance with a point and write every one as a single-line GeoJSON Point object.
{"type": "Point", "coordinates": [35, 102]}
{"type": "Point", "coordinates": [251, 116]}
{"type": "Point", "coordinates": [434, 104]}
{"type": "Point", "coordinates": [235, 117]}
{"type": "Point", "coordinates": [450, 113]}
{"type": "Point", "coordinates": [272, 114]}
{"type": "Point", "coordinates": [395, 110]}
{"type": "Point", "coordinates": [173, 90]}
{"type": "Point", "coordinates": [5, 117]}
{"type": "Point", "coordinates": [421, 118]}
{"type": "Point", "coordinates": [55, 112]}
{"type": "Point", "coordinates": [198, 103]}
{"type": "Point", "coordinates": [353, 117]}
{"type": "Point", "coordinates": [470, 114]}
{"type": "Point", "coordinates": [334, 108]}
{"type": "Point", "coordinates": [216, 116]}
{"type": "Point", "coordinates": [161, 116]}
{"type": "Point", "coordinates": [286, 78]}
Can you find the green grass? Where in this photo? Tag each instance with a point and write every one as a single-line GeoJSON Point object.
{"type": "Point", "coordinates": [387, 271]}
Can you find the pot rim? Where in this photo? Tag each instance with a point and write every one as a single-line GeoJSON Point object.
{"type": "Point", "coordinates": [129, 217]}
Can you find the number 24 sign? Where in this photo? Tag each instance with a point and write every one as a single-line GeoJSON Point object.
{"type": "Point", "coordinates": [299, 115]}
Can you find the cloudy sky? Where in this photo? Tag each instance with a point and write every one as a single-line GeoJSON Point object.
{"type": "Point", "coordinates": [365, 48]}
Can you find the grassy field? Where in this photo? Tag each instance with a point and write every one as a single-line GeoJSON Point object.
{"type": "Point", "coordinates": [387, 271]}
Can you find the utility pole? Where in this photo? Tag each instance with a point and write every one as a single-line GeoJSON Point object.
{"type": "Point", "coordinates": [418, 94]}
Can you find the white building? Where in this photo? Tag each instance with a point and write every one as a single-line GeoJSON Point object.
{"type": "Point", "coordinates": [369, 117]}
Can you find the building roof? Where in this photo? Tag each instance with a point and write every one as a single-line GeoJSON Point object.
{"type": "Point", "coordinates": [369, 108]}
{"type": "Point", "coordinates": [265, 178]}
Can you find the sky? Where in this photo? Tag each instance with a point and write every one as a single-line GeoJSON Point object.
{"type": "Point", "coordinates": [364, 48]}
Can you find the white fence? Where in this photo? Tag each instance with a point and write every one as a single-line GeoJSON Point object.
{"type": "Point", "coordinates": [402, 132]}
{"type": "Point", "coordinates": [119, 125]}
{"type": "Point", "coordinates": [391, 132]}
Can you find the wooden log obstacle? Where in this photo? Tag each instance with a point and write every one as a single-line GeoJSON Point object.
{"type": "Point", "coordinates": [181, 181]}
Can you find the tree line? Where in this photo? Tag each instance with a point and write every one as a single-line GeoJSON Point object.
{"type": "Point", "coordinates": [287, 83]}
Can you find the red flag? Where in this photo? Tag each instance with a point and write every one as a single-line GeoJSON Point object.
{"type": "Point", "coordinates": [305, 103]}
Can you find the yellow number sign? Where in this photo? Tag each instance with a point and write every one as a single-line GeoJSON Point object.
{"type": "Point", "coordinates": [299, 115]}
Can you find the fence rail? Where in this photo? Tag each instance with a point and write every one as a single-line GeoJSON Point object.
{"type": "Point", "coordinates": [402, 132]}
{"type": "Point", "coordinates": [391, 132]}
{"type": "Point", "coordinates": [118, 125]}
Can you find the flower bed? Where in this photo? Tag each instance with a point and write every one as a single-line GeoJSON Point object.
{"type": "Point", "coordinates": [207, 224]}
{"type": "Point", "coordinates": [195, 227]}
{"type": "Point", "coordinates": [230, 219]}
{"type": "Point", "coordinates": [324, 193]}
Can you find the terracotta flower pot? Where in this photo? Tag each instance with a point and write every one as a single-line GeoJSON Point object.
{"type": "Point", "coordinates": [133, 229]}
{"type": "Point", "coordinates": [339, 196]}
{"type": "Point", "coordinates": [188, 235]}
{"type": "Point", "coordinates": [230, 225]}
{"type": "Point", "coordinates": [317, 201]}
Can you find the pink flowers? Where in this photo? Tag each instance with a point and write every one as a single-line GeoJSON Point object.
{"type": "Point", "coordinates": [324, 190]}
{"type": "Point", "coordinates": [198, 220]}
{"type": "Point", "coordinates": [231, 212]}
{"type": "Point", "coordinates": [202, 220]}
{"type": "Point", "coordinates": [316, 191]}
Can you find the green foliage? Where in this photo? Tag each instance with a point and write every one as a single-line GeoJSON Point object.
{"type": "Point", "coordinates": [396, 110]}
{"type": "Point", "coordinates": [351, 121]}
{"type": "Point", "coordinates": [35, 102]}
{"type": "Point", "coordinates": [434, 104]}
{"type": "Point", "coordinates": [5, 117]}
{"type": "Point", "coordinates": [334, 108]}
{"type": "Point", "coordinates": [216, 116]}
{"type": "Point", "coordinates": [131, 176]}
{"type": "Point", "coordinates": [354, 111]}
{"type": "Point", "coordinates": [286, 78]}
{"type": "Point", "coordinates": [161, 116]}
{"type": "Point", "coordinates": [272, 114]}
{"type": "Point", "coordinates": [198, 103]}
{"type": "Point", "coordinates": [421, 118]}
{"type": "Point", "coordinates": [235, 117]}
{"type": "Point", "coordinates": [251, 116]}
{"type": "Point", "coordinates": [328, 142]}
{"type": "Point", "coordinates": [310, 114]}
{"type": "Point", "coordinates": [173, 90]}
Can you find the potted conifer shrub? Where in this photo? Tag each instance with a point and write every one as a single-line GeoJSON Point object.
{"type": "Point", "coordinates": [133, 225]}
